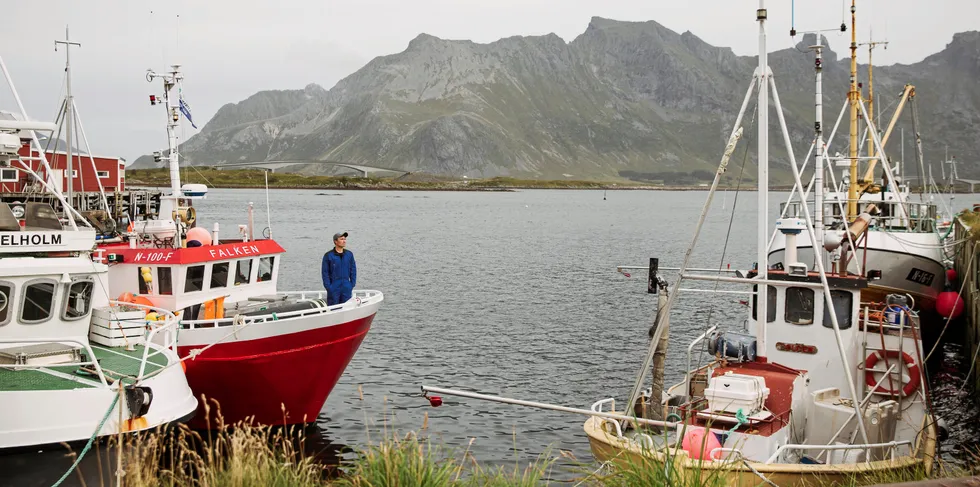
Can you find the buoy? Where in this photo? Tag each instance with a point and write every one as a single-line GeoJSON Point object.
{"type": "Point", "coordinates": [949, 304]}
{"type": "Point", "coordinates": [951, 275]}
{"type": "Point", "coordinates": [699, 443]}
{"type": "Point", "coordinates": [200, 234]}
{"type": "Point", "coordinates": [435, 401]}
{"type": "Point", "coordinates": [908, 389]}
{"type": "Point", "coordinates": [125, 298]}
{"type": "Point", "coordinates": [143, 300]}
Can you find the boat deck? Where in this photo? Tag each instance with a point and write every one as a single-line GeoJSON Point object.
{"type": "Point", "coordinates": [117, 364]}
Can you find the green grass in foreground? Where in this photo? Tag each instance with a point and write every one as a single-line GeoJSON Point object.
{"type": "Point", "coordinates": [247, 456]}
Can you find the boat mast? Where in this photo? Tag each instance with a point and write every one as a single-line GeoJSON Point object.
{"type": "Point", "coordinates": [872, 124]}
{"type": "Point", "coordinates": [762, 295]}
{"type": "Point", "coordinates": [170, 81]}
{"type": "Point", "coordinates": [818, 159]}
{"type": "Point", "coordinates": [70, 102]}
{"type": "Point", "coordinates": [853, 97]}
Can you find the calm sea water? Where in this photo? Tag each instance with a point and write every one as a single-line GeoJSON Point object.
{"type": "Point", "coordinates": [509, 293]}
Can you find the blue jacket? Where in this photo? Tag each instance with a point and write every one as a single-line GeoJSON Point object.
{"type": "Point", "coordinates": [338, 270]}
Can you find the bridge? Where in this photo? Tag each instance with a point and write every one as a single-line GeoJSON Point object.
{"type": "Point", "coordinates": [363, 170]}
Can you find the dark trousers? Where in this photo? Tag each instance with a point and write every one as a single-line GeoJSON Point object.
{"type": "Point", "coordinates": [338, 295]}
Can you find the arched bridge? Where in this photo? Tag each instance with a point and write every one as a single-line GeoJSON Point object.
{"type": "Point", "coordinates": [273, 165]}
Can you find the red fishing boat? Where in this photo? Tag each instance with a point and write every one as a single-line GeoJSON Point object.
{"type": "Point", "coordinates": [239, 335]}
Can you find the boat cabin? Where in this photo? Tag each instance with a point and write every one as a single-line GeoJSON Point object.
{"type": "Point", "coordinates": [184, 278]}
{"type": "Point", "coordinates": [47, 282]}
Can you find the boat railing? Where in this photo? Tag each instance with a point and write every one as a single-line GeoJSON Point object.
{"type": "Point", "coordinates": [598, 407]}
{"type": "Point", "coordinates": [921, 217]}
{"type": "Point", "coordinates": [84, 345]}
{"type": "Point", "coordinates": [891, 445]}
{"type": "Point", "coordinates": [690, 357]}
{"type": "Point", "coordinates": [359, 298]}
{"type": "Point", "coordinates": [162, 332]}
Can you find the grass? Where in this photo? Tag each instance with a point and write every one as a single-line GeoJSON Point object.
{"type": "Point", "coordinates": [255, 178]}
{"type": "Point", "coordinates": [246, 455]}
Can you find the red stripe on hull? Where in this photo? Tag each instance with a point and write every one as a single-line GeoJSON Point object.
{"type": "Point", "coordinates": [277, 380]}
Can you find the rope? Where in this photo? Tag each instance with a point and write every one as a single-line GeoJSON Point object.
{"type": "Point", "coordinates": [115, 399]}
{"type": "Point", "coordinates": [763, 477]}
{"type": "Point", "coordinates": [728, 234]}
{"type": "Point", "coordinates": [741, 419]}
{"type": "Point", "coordinates": [959, 297]}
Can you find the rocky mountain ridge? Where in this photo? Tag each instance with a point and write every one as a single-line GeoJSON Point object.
{"type": "Point", "coordinates": [622, 96]}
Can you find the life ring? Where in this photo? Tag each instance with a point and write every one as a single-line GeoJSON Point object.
{"type": "Point", "coordinates": [913, 370]}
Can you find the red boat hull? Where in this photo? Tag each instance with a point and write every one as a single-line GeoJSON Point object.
{"type": "Point", "coordinates": [274, 380]}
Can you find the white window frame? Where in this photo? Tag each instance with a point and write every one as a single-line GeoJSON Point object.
{"type": "Point", "coordinates": [102, 174]}
{"type": "Point", "coordinates": [5, 179]}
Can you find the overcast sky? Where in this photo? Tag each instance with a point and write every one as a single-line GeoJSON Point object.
{"type": "Point", "coordinates": [232, 48]}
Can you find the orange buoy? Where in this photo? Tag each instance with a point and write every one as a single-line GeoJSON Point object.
{"type": "Point", "coordinates": [126, 298]}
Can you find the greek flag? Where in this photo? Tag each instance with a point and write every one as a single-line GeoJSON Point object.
{"type": "Point", "coordinates": [186, 110]}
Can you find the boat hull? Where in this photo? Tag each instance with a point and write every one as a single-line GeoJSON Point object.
{"type": "Point", "coordinates": [607, 447]}
{"type": "Point", "coordinates": [282, 375]}
{"type": "Point", "coordinates": [44, 417]}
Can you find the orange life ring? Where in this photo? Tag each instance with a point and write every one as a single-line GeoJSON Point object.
{"type": "Point", "coordinates": [914, 377]}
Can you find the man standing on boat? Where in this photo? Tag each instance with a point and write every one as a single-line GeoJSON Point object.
{"type": "Point", "coordinates": [339, 272]}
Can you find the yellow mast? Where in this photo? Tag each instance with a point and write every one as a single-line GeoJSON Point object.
{"type": "Point", "coordinates": [867, 184]}
{"type": "Point", "coordinates": [853, 97]}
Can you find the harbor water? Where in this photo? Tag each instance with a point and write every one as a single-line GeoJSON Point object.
{"type": "Point", "coordinates": [507, 293]}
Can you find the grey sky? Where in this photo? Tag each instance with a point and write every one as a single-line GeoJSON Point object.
{"type": "Point", "coordinates": [232, 48]}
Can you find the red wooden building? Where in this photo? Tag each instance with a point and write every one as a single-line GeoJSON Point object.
{"type": "Point", "coordinates": [110, 171]}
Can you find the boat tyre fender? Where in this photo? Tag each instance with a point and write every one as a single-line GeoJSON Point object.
{"type": "Point", "coordinates": [138, 399]}
{"type": "Point", "coordinates": [913, 369]}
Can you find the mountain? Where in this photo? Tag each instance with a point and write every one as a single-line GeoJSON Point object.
{"type": "Point", "coordinates": [621, 98]}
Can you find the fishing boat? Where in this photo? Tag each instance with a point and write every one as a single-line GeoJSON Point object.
{"type": "Point", "coordinates": [74, 365]}
{"type": "Point", "coordinates": [253, 353]}
{"type": "Point", "coordinates": [907, 241]}
{"type": "Point", "coordinates": [823, 387]}
{"type": "Point", "coordinates": [268, 356]}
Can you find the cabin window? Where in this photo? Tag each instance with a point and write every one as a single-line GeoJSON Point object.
{"type": "Point", "coordinates": [265, 268]}
{"type": "Point", "coordinates": [842, 308]}
{"type": "Point", "coordinates": [6, 293]}
{"type": "Point", "coordinates": [103, 174]}
{"type": "Point", "coordinates": [8, 175]}
{"type": "Point", "coordinates": [79, 301]}
{"type": "Point", "coordinates": [144, 288]}
{"type": "Point", "coordinates": [219, 275]}
{"type": "Point", "coordinates": [771, 291]}
{"type": "Point", "coordinates": [38, 302]}
{"type": "Point", "coordinates": [244, 274]}
{"type": "Point", "coordinates": [195, 279]}
{"type": "Point", "coordinates": [799, 306]}
{"type": "Point", "coordinates": [165, 281]}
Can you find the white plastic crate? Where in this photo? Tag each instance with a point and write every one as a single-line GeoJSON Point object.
{"type": "Point", "coordinates": [731, 392]}
{"type": "Point", "coordinates": [117, 326]}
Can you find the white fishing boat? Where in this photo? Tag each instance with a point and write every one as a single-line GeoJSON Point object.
{"type": "Point", "coordinates": [821, 388]}
{"type": "Point", "coordinates": [907, 239]}
{"type": "Point", "coordinates": [824, 387]}
{"type": "Point", "coordinates": [74, 365]}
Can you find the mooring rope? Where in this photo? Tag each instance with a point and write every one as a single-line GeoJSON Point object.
{"type": "Point", "coordinates": [88, 446]}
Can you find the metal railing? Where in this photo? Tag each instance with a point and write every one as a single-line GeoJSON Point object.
{"type": "Point", "coordinates": [358, 299]}
{"type": "Point", "coordinates": [921, 217]}
{"type": "Point", "coordinates": [891, 445]}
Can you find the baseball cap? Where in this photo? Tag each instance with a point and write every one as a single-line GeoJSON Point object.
{"type": "Point", "coordinates": [338, 235]}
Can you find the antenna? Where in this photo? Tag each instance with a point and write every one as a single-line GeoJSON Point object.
{"type": "Point", "coordinates": [68, 107]}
